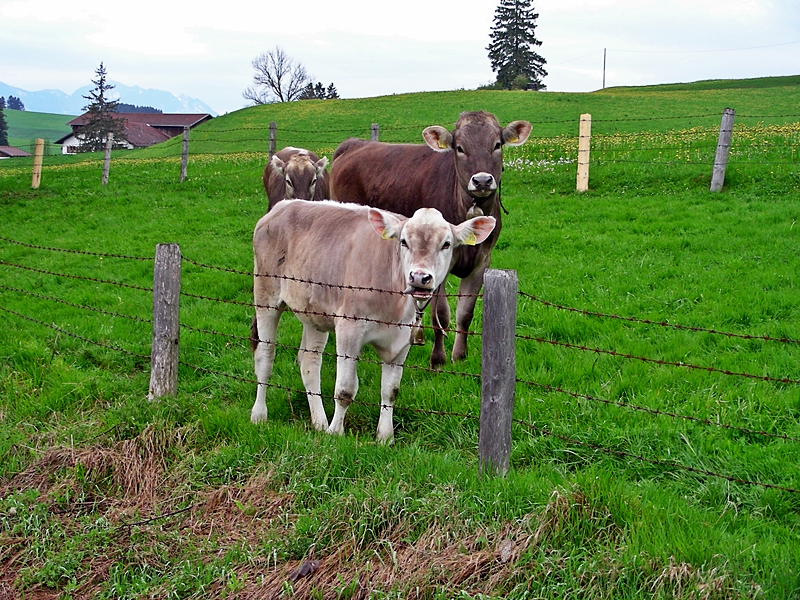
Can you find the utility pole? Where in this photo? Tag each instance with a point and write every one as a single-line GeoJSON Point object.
{"type": "Point", "coordinates": [604, 68]}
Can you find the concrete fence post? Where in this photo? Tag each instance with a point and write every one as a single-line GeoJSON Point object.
{"type": "Point", "coordinates": [166, 321]}
{"type": "Point", "coordinates": [374, 132]}
{"type": "Point", "coordinates": [498, 371]}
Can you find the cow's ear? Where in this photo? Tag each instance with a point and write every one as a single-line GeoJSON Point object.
{"type": "Point", "coordinates": [474, 231]}
{"type": "Point", "coordinates": [277, 164]}
{"type": "Point", "coordinates": [438, 138]}
{"type": "Point", "coordinates": [385, 224]}
{"type": "Point", "coordinates": [516, 133]}
{"type": "Point", "coordinates": [320, 165]}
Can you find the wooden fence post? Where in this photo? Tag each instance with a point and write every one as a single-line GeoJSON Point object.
{"type": "Point", "coordinates": [185, 154]}
{"type": "Point", "coordinates": [166, 321]}
{"type": "Point", "coordinates": [107, 159]}
{"type": "Point", "coordinates": [374, 132]}
{"type": "Point", "coordinates": [273, 138]}
{"type": "Point", "coordinates": [584, 143]}
{"type": "Point", "coordinates": [723, 148]}
{"type": "Point", "coordinates": [38, 153]}
{"type": "Point", "coordinates": [498, 368]}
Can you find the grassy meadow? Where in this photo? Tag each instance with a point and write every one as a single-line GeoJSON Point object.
{"type": "Point", "coordinates": [656, 444]}
{"type": "Point", "coordinates": [25, 126]}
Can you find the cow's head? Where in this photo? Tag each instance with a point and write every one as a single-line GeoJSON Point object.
{"type": "Point", "coordinates": [477, 143]}
{"type": "Point", "coordinates": [427, 242]}
{"type": "Point", "coordinates": [300, 174]}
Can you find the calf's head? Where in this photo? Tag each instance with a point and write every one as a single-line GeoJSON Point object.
{"type": "Point", "coordinates": [477, 143]}
{"type": "Point", "coordinates": [427, 242]}
{"type": "Point", "coordinates": [300, 174]}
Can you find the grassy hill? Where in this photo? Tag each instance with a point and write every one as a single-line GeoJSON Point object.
{"type": "Point", "coordinates": [24, 127]}
{"type": "Point", "coordinates": [656, 436]}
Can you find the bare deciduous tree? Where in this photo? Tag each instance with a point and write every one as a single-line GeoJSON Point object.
{"type": "Point", "coordinates": [278, 78]}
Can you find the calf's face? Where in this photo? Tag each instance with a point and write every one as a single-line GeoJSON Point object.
{"type": "Point", "coordinates": [427, 242]}
{"type": "Point", "coordinates": [300, 174]}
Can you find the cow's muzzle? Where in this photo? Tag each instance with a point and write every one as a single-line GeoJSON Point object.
{"type": "Point", "coordinates": [420, 284]}
{"type": "Point", "coordinates": [481, 185]}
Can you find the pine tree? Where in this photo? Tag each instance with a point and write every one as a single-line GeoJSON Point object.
{"type": "Point", "coordinates": [101, 117]}
{"type": "Point", "coordinates": [511, 51]}
{"type": "Point", "coordinates": [331, 93]}
{"type": "Point", "coordinates": [3, 128]}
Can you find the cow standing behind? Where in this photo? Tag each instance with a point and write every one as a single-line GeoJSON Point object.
{"type": "Point", "coordinates": [457, 173]}
{"type": "Point", "coordinates": [351, 253]}
{"type": "Point", "coordinates": [295, 173]}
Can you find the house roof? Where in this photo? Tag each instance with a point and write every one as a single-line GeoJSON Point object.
{"type": "Point", "coordinates": [12, 152]}
{"type": "Point", "coordinates": [142, 135]}
{"type": "Point", "coordinates": [153, 119]}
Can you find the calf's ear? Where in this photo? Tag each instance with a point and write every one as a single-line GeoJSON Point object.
{"type": "Point", "coordinates": [438, 138]}
{"type": "Point", "coordinates": [474, 231]}
{"type": "Point", "coordinates": [385, 224]}
{"type": "Point", "coordinates": [516, 133]}
{"type": "Point", "coordinates": [277, 164]}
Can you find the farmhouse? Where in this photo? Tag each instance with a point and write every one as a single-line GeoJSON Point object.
{"type": "Point", "coordinates": [12, 152]}
{"type": "Point", "coordinates": [142, 129]}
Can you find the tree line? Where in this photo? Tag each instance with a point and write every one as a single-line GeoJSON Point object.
{"type": "Point", "coordinates": [13, 103]}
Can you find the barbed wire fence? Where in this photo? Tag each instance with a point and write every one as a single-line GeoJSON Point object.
{"type": "Point", "coordinates": [763, 142]}
{"type": "Point", "coordinates": [522, 382]}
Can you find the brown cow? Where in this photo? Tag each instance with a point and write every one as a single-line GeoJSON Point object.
{"type": "Point", "coordinates": [457, 173]}
{"type": "Point", "coordinates": [295, 173]}
{"type": "Point", "coordinates": [335, 246]}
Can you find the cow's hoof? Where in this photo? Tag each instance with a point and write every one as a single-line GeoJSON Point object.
{"type": "Point", "coordinates": [256, 418]}
{"type": "Point", "coordinates": [438, 361]}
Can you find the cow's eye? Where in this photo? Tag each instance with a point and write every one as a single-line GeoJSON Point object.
{"type": "Point", "coordinates": [446, 245]}
{"type": "Point", "coordinates": [460, 150]}
{"type": "Point", "coordinates": [403, 243]}
{"type": "Point", "coordinates": [289, 183]}
{"type": "Point", "coordinates": [498, 145]}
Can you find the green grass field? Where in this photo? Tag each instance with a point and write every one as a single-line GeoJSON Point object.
{"type": "Point", "coordinates": [24, 127]}
{"type": "Point", "coordinates": [656, 441]}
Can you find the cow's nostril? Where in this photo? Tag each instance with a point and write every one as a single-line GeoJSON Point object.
{"type": "Point", "coordinates": [427, 279]}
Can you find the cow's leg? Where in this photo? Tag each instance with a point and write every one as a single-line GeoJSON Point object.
{"type": "Point", "coordinates": [391, 374]}
{"type": "Point", "coordinates": [440, 317]}
{"type": "Point", "coordinates": [348, 348]}
{"type": "Point", "coordinates": [468, 291]}
{"type": "Point", "coordinates": [264, 354]}
{"type": "Point", "coordinates": [310, 359]}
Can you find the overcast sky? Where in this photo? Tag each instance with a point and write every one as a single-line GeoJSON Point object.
{"type": "Point", "coordinates": [371, 48]}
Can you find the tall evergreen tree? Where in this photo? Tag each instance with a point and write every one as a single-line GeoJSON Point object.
{"type": "Point", "coordinates": [331, 93]}
{"type": "Point", "coordinates": [101, 117]}
{"type": "Point", "coordinates": [513, 36]}
{"type": "Point", "coordinates": [3, 128]}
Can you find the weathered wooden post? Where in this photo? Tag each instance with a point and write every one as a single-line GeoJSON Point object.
{"type": "Point", "coordinates": [584, 143]}
{"type": "Point", "coordinates": [166, 321]}
{"type": "Point", "coordinates": [107, 159]}
{"type": "Point", "coordinates": [374, 132]}
{"type": "Point", "coordinates": [723, 149]}
{"type": "Point", "coordinates": [273, 138]}
{"type": "Point", "coordinates": [38, 153]}
{"type": "Point", "coordinates": [498, 368]}
{"type": "Point", "coordinates": [185, 154]}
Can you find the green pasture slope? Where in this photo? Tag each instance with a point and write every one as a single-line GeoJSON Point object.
{"type": "Point", "coordinates": [652, 456]}
{"type": "Point", "coordinates": [24, 127]}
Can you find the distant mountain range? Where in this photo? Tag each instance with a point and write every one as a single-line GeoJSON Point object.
{"type": "Point", "coordinates": [57, 102]}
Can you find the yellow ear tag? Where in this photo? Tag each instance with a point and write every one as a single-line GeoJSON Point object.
{"type": "Point", "coordinates": [471, 239]}
{"type": "Point", "coordinates": [442, 145]}
{"type": "Point", "coordinates": [513, 140]}
{"type": "Point", "coordinates": [386, 235]}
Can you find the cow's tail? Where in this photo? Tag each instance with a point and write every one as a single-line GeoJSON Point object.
{"type": "Point", "coordinates": [254, 334]}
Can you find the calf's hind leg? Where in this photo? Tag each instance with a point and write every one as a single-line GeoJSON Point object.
{"type": "Point", "coordinates": [310, 359]}
{"type": "Point", "coordinates": [264, 354]}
